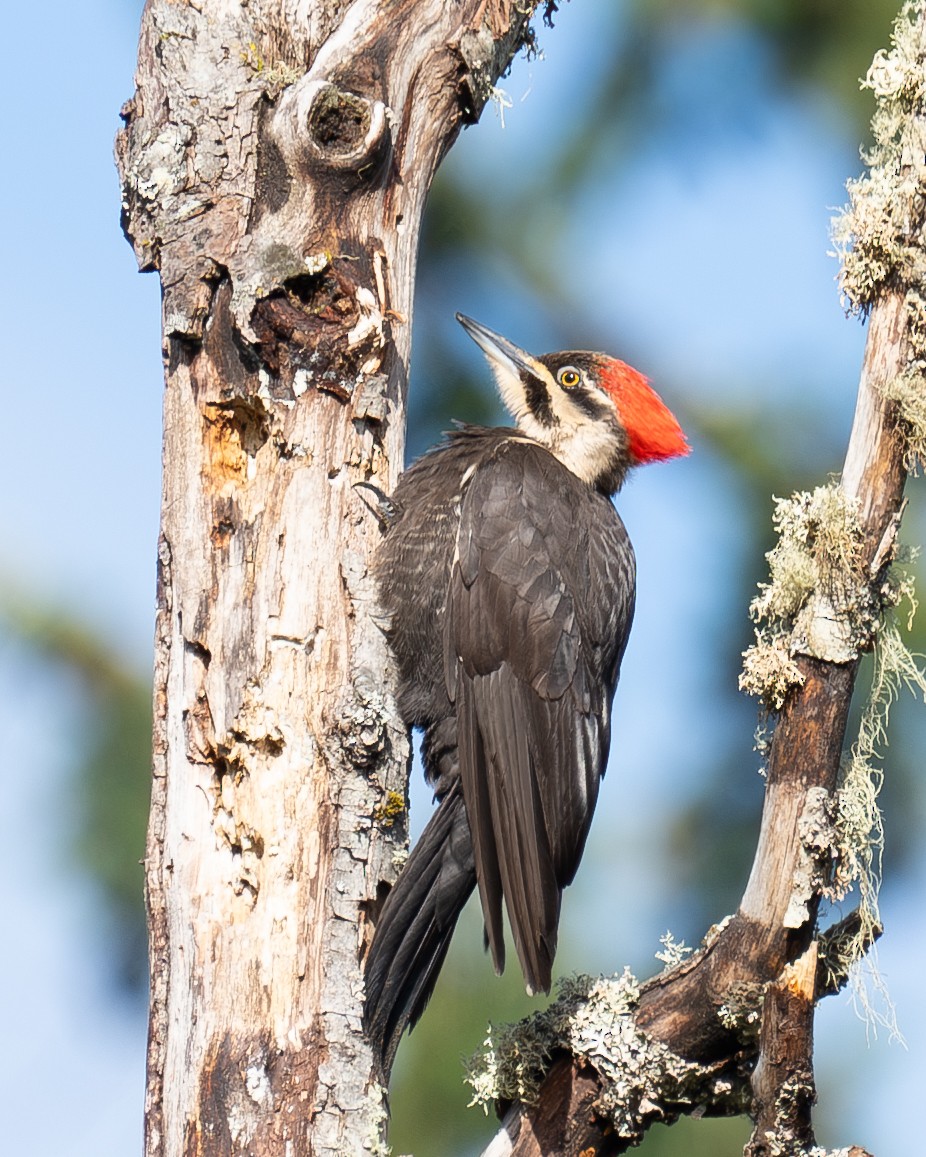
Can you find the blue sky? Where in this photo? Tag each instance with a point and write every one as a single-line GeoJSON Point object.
{"type": "Point", "coordinates": [708, 257]}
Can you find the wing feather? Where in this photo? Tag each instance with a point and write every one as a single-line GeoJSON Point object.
{"type": "Point", "coordinates": [519, 828]}
{"type": "Point", "coordinates": [538, 612]}
{"type": "Point", "coordinates": [474, 775]}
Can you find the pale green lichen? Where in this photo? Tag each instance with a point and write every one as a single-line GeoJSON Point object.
{"type": "Point", "coordinates": [502, 102]}
{"type": "Point", "coordinates": [741, 1012]}
{"type": "Point", "coordinates": [845, 841]}
{"type": "Point", "coordinates": [878, 237]}
{"type": "Point", "coordinates": [817, 856]}
{"type": "Point", "coordinates": [859, 829]}
{"type": "Point", "coordinates": [274, 76]}
{"type": "Point", "coordinates": [908, 392]}
{"type": "Point", "coordinates": [817, 577]}
{"type": "Point", "coordinates": [674, 951]}
{"type": "Point", "coordinates": [818, 1151]}
{"type": "Point", "coordinates": [817, 601]}
{"type": "Point", "coordinates": [378, 1112]}
{"type": "Point", "coordinates": [769, 672]}
{"type": "Point", "coordinates": [592, 1018]}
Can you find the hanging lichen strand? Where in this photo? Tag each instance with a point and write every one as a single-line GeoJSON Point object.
{"type": "Point", "coordinates": [819, 602]}
{"type": "Point", "coordinates": [859, 828]}
{"type": "Point", "coordinates": [879, 238]}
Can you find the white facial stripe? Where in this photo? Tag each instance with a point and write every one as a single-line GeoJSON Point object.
{"type": "Point", "coordinates": [512, 389]}
{"type": "Point", "coordinates": [563, 405]}
{"type": "Point", "coordinates": [585, 446]}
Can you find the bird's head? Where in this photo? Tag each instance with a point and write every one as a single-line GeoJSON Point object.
{"type": "Point", "coordinates": [596, 414]}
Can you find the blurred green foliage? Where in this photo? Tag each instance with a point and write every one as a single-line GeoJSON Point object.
{"type": "Point", "coordinates": [112, 751]}
{"type": "Point", "coordinates": [826, 43]}
{"type": "Point", "coordinates": [823, 46]}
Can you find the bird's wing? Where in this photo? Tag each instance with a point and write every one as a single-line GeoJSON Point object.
{"type": "Point", "coordinates": [538, 611]}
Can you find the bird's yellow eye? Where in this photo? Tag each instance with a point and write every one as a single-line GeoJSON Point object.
{"type": "Point", "coordinates": [569, 377]}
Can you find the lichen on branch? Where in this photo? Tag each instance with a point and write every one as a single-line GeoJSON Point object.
{"type": "Point", "coordinates": [878, 233]}
{"type": "Point", "coordinates": [642, 1080]}
{"type": "Point", "coordinates": [878, 236]}
{"type": "Point", "coordinates": [818, 600]}
{"type": "Point", "coordinates": [824, 600]}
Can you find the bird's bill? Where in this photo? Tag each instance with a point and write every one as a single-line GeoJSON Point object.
{"type": "Point", "coordinates": [500, 350]}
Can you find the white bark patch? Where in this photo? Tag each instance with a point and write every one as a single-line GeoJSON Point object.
{"type": "Point", "coordinates": [817, 856]}
{"type": "Point", "coordinates": [369, 329]}
{"type": "Point", "coordinates": [824, 632]}
{"type": "Point", "coordinates": [257, 1084]}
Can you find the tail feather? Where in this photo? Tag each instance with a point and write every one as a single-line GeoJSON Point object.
{"type": "Point", "coordinates": [415, 926]}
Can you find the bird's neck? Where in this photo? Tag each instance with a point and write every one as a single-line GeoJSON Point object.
{"type": "Point", "coordinates": [593, 451]}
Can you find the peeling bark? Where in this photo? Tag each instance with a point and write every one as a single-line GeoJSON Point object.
{"type": "Point", "coordinates": [275, 161]}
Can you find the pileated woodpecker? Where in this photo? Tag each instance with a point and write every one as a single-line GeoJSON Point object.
{"type": "Point", "coordinates": [508, 583]}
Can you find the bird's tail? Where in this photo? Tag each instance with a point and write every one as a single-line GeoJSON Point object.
{"type": "Point", "coordinates": [415, 926]}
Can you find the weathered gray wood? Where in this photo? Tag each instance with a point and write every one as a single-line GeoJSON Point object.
{"type": "Point", "coordinates": [275, 161]}
{"type": "Point", "coordinates": [876, 479]}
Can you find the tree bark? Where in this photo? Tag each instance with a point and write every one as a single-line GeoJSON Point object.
{"type": "Point", "coordinates": [275, 161]}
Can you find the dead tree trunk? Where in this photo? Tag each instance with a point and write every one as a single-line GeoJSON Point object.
{"type": "Point", "coordinates": [275, 161]}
